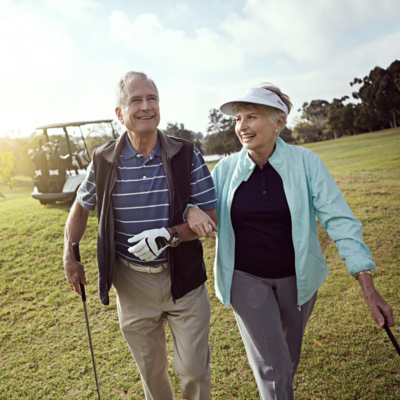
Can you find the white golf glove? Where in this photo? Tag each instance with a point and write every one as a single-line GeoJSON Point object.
{"type": "Point", "coordinates": [151, 243]}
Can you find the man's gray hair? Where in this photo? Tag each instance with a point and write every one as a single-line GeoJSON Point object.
{"type": "Point", "coordinates": [125, 80]}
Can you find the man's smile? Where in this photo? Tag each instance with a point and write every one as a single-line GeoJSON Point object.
{"type": "Point", "coordinates": [148, 117]}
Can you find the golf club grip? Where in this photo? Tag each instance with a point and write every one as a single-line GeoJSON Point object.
{"type": "Point", "coordinates": [391, 337]}
{"type": "Point", "coordinates": [75, 248]}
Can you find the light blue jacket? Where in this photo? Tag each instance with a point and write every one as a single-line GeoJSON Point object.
{"type": "Point", "coordinates": [310, 191]}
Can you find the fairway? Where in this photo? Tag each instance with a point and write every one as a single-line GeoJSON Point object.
{"type": "Point", "coordinates": [44, 345]}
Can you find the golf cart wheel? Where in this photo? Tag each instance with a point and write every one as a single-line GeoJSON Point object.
{"type": "Point", "coordinates": [47, 202]}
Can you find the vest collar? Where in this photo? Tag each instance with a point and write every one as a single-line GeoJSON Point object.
{"type": "Point", "coordinates": [112, 152]}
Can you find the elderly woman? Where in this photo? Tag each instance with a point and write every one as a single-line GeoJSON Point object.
{"type": "Point", "coordinates": [269, 264]}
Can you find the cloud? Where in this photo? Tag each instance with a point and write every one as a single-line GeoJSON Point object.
{"type": "Point", "coordinates": [379, 52]}
{"type": "Point", "coordinates": [81, 10]}
{"type": "Point", "coordinates": [303, 30]}
{"type": "Point", "coordinates": [147, 38]}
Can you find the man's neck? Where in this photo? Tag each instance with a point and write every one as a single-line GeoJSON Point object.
{"type": "Point", "coordinates": [143, 144]}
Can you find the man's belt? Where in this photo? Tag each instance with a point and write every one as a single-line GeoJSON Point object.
{"type": "Point", "coordinates": [155, 269]}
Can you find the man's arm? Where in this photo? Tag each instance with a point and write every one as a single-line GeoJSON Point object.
{"type": "Point", "coordinates": [74, 230]}
{"type": "Point", "coordinates": [151, 243]}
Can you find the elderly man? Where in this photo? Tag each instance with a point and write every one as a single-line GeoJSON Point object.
{"type": "Point", "coordinates": [141, 184]}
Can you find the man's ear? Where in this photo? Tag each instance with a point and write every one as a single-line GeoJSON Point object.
{"type": "Point", "coordinates": [119, 115]}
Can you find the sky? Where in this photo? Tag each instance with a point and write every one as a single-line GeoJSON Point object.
{"type": "Point", "coordinates": [60, 60]}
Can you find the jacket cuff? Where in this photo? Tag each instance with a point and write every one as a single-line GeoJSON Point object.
{"type": "Point", "coordinates": [359, 263]}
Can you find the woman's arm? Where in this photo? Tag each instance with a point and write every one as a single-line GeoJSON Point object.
{"type": "Point", "coordinates": [345, 230]}
{"type": "Point", "coordinates": [378, 308]}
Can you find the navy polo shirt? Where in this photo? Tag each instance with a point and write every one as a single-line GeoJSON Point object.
{"type": "Point", "coordinates": [140, 197]}
{"type": "Point", "coordinates": [262, 224]}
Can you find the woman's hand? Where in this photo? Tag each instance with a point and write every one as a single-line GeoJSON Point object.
{"type": "Point", "coordinates": [201, 223]}
{"type": "Point", "coordinates": [380, 311]}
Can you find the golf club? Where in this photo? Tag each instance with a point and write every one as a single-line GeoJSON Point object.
{"type": "Point", "coordinates": [75, 247]}
{"type": "Point", "coordinates": [391, 337]}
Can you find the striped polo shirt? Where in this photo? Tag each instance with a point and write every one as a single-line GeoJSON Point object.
{"type": "Point", "coordinates": [140, 196]}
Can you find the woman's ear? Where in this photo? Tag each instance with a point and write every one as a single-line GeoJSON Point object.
{"type": "Point", "coordinates": [280, 123]}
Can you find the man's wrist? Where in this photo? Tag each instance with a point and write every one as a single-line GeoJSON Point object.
{"type": "Point", "coordinates": [171, 236]}
{"type": "Point", "coordinates": [174, 240]}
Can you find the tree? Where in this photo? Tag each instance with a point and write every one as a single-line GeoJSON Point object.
{"type": "Point", "coordinates": [6, 166]}
{"type": "Point", "coordinates": [314, 125]}
{"type": "Point", "coordinates": [286, 135]}
{"type": "Point", "coordinates": [317, 110]}
{"type": "Point", "coordinates": [198, 146]}
{"type": "Point", "coordinates": [380, 96]}
{"type": "Point", "coordinates": [222, 129]}
{"type": "Point", "coordinates": [198, 136]}
{"type": "Point", "coordinates": [178, 130]}
{"type": "Point", "coordinates": [218, 148]}
{"type": "Point", "coordinates": [341, 118]}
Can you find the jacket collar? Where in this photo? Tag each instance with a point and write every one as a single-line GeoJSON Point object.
{"type": "Point", "coordinates": [247, 165]}
{"type": "Point", "coordinates": [112, 152]}
{"type": "Point", "coordinates": [278, 153]}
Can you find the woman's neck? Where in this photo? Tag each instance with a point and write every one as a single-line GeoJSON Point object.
{"type": "Point", "coordinates": [261, 158]}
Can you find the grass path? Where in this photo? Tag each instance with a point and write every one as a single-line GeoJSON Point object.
{"type": "Point", "coordinates": [44, 346]}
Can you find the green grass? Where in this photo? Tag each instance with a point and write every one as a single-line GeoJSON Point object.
{"type": "Point", "coordinates": [23, 188]}
{"type": "Point", "coordinates": [44, 347]}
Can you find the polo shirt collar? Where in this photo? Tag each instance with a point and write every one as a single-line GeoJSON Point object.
{"type": "Point", "coordinates": [129, 152]}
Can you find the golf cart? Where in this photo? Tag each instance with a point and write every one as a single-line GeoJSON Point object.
{"type": "Point", "coordinates": [60, 164]}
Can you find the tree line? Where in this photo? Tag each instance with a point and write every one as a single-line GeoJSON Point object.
{"type": "Point", "coordinates": [378, 108]}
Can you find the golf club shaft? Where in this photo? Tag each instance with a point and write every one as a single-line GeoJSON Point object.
{"type": "Point", "coordinates": [75, 247]}
{"type": "Point", "coordinates": [391, 337]}
{"type": "Point", "coordinates": [91, 348]}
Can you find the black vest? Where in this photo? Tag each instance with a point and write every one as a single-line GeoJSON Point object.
{"type": "Point", "coordinates": [186, 263]}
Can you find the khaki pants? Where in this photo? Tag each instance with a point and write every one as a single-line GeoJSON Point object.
{"type": "Point", "coordinates": [145, 306]}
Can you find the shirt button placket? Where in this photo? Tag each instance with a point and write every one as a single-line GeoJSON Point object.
{"type": "Point", "coordinates": [264, 192]}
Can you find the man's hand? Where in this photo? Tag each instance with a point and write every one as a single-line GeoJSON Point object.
{"type": "Point", "coordinates": [75, 273]}
{"type": "Point", "coordinates": [151, 243]}
{"type": "Point", "coordinates": [380, 311]}
{"type": "Point", "coordinates": [201, 223]}
{"type": "Point", "coordinates": [74, 230]}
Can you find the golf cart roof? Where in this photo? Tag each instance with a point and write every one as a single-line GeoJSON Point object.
{"type": "Point", "coordinates": [66, 124]}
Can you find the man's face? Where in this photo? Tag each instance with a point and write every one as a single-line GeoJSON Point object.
{"type": "Point", "coordinates": [141, 111]}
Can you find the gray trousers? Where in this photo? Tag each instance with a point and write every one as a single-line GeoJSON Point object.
{"type": "Point", "coordinates": [272, 329]}
{"type": "Point", "coordinates": [145, 305]}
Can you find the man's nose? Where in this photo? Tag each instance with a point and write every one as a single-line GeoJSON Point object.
{"type": "Point", "coordinates": [146, 105]}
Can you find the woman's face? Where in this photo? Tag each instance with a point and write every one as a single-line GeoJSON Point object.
{"type": "Point", "coordinates": [256, 131]}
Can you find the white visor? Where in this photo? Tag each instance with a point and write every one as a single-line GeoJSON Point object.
{"type": "Point", "coordinates": [256, 96]}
